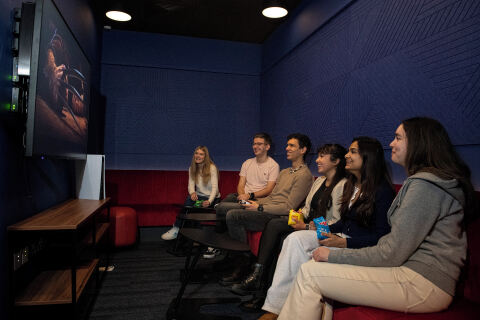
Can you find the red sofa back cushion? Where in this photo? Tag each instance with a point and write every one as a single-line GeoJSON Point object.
{"type": "Point", "coordinates": [157, 194]}
{"type": "Point", "coordinates": [146, 186]}
{"type": "Point", "coordinates": [143, 187]}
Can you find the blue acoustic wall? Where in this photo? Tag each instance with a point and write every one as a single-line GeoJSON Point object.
{"type": "Point", "coordinates": [374, 64]}
{"type": "Point", "coordinates": [165, 95]}
{"type": "Point", "coordinates": [30, 185]}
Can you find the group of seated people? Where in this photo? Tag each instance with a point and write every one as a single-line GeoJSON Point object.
{"type": "Point", "coordinates": [402, 253]}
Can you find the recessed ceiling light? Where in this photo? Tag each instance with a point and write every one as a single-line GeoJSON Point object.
{"type": "Point", "coordinates": [275, 12]}
{"type": "Point", "coordinates": [118, 16]}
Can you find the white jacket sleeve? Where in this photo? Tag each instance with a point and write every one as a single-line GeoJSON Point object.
{"type": "Point", "coordinates": [334, 210]}
{"type": "Point", "coordinates": [191, 183]}
{"type": "Point", "coordinates": [214, 182]}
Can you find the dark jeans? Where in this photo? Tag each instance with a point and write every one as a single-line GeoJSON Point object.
{"type": "Point", "coordinates": [230, 202]}
{"type": "Point", "coordinates": [231, 197]}
{"type": "Point", "coordinates": [241, 220]}
{"type": "Point", "coordinates": [189, 203]}
{"type": "Point", "coordinates": [270, 246]}
{"type": "Point", "coordinates": [271, 240]}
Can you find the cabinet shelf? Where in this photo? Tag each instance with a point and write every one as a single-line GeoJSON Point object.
{"type": "Point", "coordinates": [54, 286]}
{"type": "Point", "coordinates": [69, 215]}
{"type": "Point", "coordinates": [101, 229]}
{"type": "Point", "coordinates": [59, 273]}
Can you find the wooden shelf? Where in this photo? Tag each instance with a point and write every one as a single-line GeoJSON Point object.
{"type": "Point", "coordinates": [101, 228]}
{"type": "Point", "coordinates": [54, 286]}
{"type": "Point", "coordinates": [69, 215]}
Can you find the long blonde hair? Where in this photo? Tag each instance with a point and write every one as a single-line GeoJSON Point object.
{"type": "Point", "coordinates": [204, 169]}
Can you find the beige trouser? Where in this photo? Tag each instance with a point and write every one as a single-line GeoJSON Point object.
{"type": "Point", "coordinates": [398, 289]}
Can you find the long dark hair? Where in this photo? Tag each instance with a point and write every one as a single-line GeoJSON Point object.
{"type": "Point", "coordinates": [335, 151]}
{"type": "Point", "coordinates": [374, 172]}
{"type": "Point", "coordinates": [429, 149]}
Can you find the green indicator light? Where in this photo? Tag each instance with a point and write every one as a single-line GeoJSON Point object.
{"type": "Point", "coordinates": [14, 107]}
{"type": "Point", "coordinates": [14, 78]}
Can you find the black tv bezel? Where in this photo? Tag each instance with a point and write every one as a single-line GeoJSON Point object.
{"type": "Point", "coordinates": [34, 34]}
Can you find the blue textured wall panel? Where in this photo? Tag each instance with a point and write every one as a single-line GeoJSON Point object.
{"type": "Point", "coordinates": [167, 94]}
{"type": "Point", "coordinates": [156, 117]}
{"type": "Point", "coordinates": [379, 62]}
{"type": "Point", "coordinates": [299, 25]}
{"type": "Point", "coordinates": [176, 52]}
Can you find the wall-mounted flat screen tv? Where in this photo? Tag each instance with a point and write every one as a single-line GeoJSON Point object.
{"type": "Point", "coordinates": [59, 85]}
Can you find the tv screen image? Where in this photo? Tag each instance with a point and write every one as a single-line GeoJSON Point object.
{"type": "Point", "coordinates": [62, 89]}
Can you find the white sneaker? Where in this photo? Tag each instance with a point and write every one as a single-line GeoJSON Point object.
{"type": "Point", "coordinates": [170, 234]}
{"type": "Point", "coordinates": [211, 253]}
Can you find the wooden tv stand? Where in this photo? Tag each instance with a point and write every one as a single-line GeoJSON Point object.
{"type": "Point", "coordinates": [58, 253]}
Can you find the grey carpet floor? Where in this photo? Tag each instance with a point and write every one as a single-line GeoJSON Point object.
{"type": "Point", "coordinates": [145, 280]}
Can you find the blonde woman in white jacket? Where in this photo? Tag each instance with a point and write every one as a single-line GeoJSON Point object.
{"type": "Point", "coordinates": [202, 186]}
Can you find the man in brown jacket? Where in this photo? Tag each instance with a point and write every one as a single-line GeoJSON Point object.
{"type": "Point", "coordinates": [290, 191]}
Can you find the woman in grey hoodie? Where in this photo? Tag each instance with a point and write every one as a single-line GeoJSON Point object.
{"type": "Point", "coordinates": [416, 266]}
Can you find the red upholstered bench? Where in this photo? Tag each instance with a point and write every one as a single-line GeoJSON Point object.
{"type": "Point", "coordinates": [156, 194]}
{"type": "Point", "coordinates": [460, 309]}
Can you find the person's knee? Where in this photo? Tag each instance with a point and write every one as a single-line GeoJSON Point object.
{"type": "Point", "coordinates": [315, 269]}
{"type": "Point", "coordinates": [305, 239]}
{"type": "Point", "coordinates": [228, 218]}
{"type": "Point", "coordinates": [304, 271]}
{"type": "Point", "coordinates": [276, 224]}
{"type": "Point", "coordinates": [232, 197]}
{"type": "Point", "coordinates": [292, 238]}
{"type": "Point", "coordinates": [221, 209]}
{"type": "Point", "coordinates": [234, 216]}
